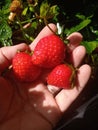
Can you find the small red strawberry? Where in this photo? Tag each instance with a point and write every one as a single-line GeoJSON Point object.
{"type": "Point", "coordinates": [49, 52]}
{"type": "Point", "coordinates": [23, 68]}
{"type": "Point", "coordinates": [62, 76]}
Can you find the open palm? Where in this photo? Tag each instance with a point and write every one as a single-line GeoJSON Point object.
{"type": "Point", "coordinates": [35, 106]}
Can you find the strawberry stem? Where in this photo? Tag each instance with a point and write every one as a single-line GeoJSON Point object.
{"type": "Point", "coordinates": [46, 23]}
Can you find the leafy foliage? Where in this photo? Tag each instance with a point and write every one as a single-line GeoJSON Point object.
{"type": "Point", "coordinates": [5, 30]}
{"type": "Point", "coordinates": [90, 46]}
{"type": "Point", "coordinates": [30, 16]}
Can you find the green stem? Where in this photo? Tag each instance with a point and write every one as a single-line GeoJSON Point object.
{"type": "Point", "coordinates": [27, 21]}
{"type": "Point", "coordinates": [46, 23]}
{"type": "Point", "coordinates": [22, 29]}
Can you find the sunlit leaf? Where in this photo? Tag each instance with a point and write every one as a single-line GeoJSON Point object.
{"type": "Point", "coordinates": [82, 17]}
{"type": "Point", "coordinates": [24, 12]}
{"type": "Point", "coordinates": [44, 8]}
{"type": "Point", "coordinates": [79, 27]}
{"type": "Point", "coordinates": [53, 11]}
{"type": "Point", "coordinates": [90, 46]}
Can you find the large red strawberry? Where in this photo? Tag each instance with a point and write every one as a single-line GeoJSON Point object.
{"type": "Point", "coordinates": [23, 68]}
{"type": "Point", "coordinates": [49, 52]}
{"type": "Point", "coordinates": [62, 76]}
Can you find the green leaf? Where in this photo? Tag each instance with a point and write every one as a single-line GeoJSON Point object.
{"type": "Point", "coordinates": [78, 27]}
{"type": "Point", "coordinates": [48, 12]}
{"type": "Point", "coordinates": [79, 16]}
{"type": "Point", "coordinates": [90, 46]}
{"type": "Point", "coordinates": [5, 34]}
{"type": "Point", "coordinates": [6, 42]}
{"type": "Point", "coordinates": [24, 12]}
{"type": "Point", "coordinates": [34, 24]}
{"type": "Point", "coordinates": [44, 8]}
{"type": "Point", "coordinates": [5, 6]}
{"type": "Point", "coordinates": [31, 8]}
{"type": "Point", "coordinates": [53, 11]}
{"type": "Point", "coordinates": [94, 58]}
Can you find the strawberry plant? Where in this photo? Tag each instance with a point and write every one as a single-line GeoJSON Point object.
{"type": "Point", "coordinates": [22, 20]}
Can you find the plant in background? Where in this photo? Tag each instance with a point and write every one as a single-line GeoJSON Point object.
{"type": "Point", "coordinates": [5, 29]}
{"type": "Point", "coordinates": [28, 17]}
{"type": "Point", "coordinates": [22, 20]}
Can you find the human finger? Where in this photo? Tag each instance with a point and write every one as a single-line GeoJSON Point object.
{"type": "Point", "coordinates": [77, 55]}
{"type": "Point", "coordinates": [75, 58]}
{"type": "Point", "coordinates": [74, 40]}
{"type": "Point", "coordinates": [65, 97]}
{"type": "Point", "coordinates": [45, 32]}
{"type": "Point", "coordinates": [75, 52]}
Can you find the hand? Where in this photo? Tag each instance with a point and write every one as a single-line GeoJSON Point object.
{"type": "Point", "coordinates": [35, 106]}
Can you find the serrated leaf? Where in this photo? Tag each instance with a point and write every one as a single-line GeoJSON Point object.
{"type": "Point", "coordinates": [5, 34]}
{"type": "Point", "coordinates": [90, 46]}
{"type": "Point", "coordinates": [5, 6]}
{"type": "Point", "coordinates": [6, 42]}
{"type": "Point", "coordinates": [5, 31]}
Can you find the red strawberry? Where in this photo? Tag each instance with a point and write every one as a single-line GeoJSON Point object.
{"type": "Point", "coordinates": [62, 76]}
{"type": "Point", "coordinates": [49, 52]}
{"type": "Point", "coordinates": [23, 67]}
